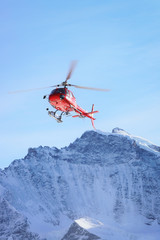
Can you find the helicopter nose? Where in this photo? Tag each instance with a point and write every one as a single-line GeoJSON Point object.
{"type": "Point", "coordinates": [53, 98]}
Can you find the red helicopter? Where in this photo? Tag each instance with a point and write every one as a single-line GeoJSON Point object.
{"type": "Point", "coordinates": [63, 100]}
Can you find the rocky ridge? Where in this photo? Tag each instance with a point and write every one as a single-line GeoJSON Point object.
{"type": "Point", "coordinates": [113, 177]}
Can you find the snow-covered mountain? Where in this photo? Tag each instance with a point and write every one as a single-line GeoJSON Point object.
{"type": "Point", "coordinates": [13, 225]}
{"type": "Point", "coordinates": [105, 185]}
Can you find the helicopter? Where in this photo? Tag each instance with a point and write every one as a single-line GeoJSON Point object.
{"type": "Point", "coordinates": [63, 100]}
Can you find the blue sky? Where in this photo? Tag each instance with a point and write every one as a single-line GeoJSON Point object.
{"type": "Point", "coordinates": [117, 45]}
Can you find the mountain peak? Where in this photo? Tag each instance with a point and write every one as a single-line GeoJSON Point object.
{"type": "Point", "coordinates": [111, 177]}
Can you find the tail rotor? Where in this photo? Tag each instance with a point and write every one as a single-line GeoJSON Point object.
{"type": "Point", "coordinates": [92, 118]}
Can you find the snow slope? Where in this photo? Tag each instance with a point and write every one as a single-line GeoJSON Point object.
{"type": "Point", "coordinates": [110, 180]}
{"type": "Point", "coordinates": [13, 225]}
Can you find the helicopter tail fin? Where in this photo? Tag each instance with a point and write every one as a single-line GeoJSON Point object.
{"type": "Point", "coordinates": [91, 114]}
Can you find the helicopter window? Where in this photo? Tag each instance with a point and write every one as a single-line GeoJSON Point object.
{"type": "Point", "coordinates": [67, 92]}
{"type": "Point", "coordinates": [53, 91]}
{"type": "Point", "coordinates": [59, 90]}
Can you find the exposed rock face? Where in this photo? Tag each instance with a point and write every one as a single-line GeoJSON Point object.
{"type": "Point", "coordinates": [113, 176]}
{"type": "Point", "coordinates": [76, 232]}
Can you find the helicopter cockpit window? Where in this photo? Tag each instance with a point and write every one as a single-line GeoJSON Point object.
{"type": "Point", "coordinates": [59, 90]}
{"type": "Point", "coordinates": [68, 93]}
{"type": "Point", "coordinates": [53, 91]}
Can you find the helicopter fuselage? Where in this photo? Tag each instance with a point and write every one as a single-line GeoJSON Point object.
{"type": "Point", "coordinates": [62, 99]}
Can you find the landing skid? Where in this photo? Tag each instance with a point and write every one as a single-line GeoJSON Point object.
{"type": "Point", "coordinates": [57, 118]}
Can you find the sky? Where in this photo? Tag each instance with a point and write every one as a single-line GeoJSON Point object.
{"type": "Point", "coordinates": [117, 46]}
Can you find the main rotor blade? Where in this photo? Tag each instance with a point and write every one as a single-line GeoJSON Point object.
{"type": "Point", "coordinates": [72, 67]}
{"type": "Point", "coordinates": [29, 90]}
{"type": "Point", "coordinates": [90, 88]}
